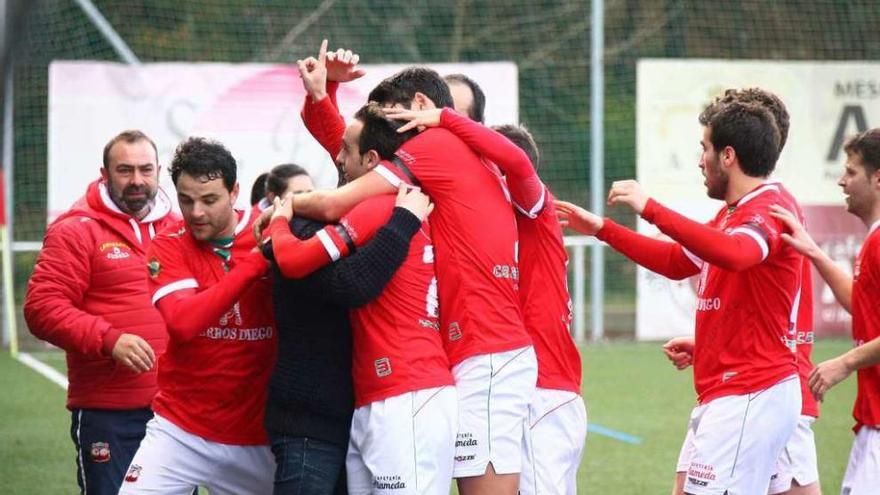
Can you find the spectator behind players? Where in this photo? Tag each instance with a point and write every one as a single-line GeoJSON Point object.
{"type": "Point", "coordinates": [467, 96]}
{"type": "Point", "coordinates": [88, 295]}
{"type": "Point", "coordinates": [858, 294]}
{"type": "Point", "coordinates": [258, 190]}
{"type": "Point", "coordinates": [278, 181]}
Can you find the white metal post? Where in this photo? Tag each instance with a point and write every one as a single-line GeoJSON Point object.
{"type": "Point", "coordinates": [597, 164]}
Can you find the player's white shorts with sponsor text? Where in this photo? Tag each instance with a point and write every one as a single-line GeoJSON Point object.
{"type": "Point", "coordinates": [862, 475]}
{"type": "Point", "coordinates": [555, 431]}
{"type": "Point", "coordinates": [404, 444]}
{"type": "Point", "coordinates": [734, 441]}
{"type": "Point", "coordinates": [172, 461]}
{"type": "Point", "coordinates": [494, 392]}
{"type": "Point", "coordinates": [797, 462]}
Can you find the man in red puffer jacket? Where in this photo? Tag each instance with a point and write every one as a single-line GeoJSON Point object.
{"type": "Point", "coordinates": [89, 296]}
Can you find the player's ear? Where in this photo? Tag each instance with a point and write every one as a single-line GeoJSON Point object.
{"type": "Point", "coordinates": [422, 102]}
{"type": "Point", "coordinates": [233, 194]}
{"type": "Point", "coordinates": [105, 174]}
{"type": "Point", "coordinates": [373, 159]}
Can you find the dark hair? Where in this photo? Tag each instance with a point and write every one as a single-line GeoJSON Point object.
{"type": "Point", "coordinates": [866, 146]}
{"type": "Point", "coordinates": [379, 132]}
{"type": "Point", "coordinates": [258, 190]}
{"type": "Point", "coordinates": [130, 137]}
{"type": "Point", "coordinates": [750, 130]}
{"type": "Point", "coordinates": [276, 182]}
{"type": "Point", "coordinates": [477, 111]}
{"type": "Point", "coordinates": [760, 96]}
{"type": "Point", "coordinates": [522, 138]}
{"type": "Point", "coordinates": [200, 157]}
{"type": "Point", "coordinates": [402, 88]}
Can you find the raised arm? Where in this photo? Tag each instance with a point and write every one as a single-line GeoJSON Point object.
{"type": "Point", "coordinates": [666, 258]}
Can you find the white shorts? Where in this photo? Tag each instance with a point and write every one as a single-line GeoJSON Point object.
{"type": "Point", "coordinates": [404, 444]}
{"type": "Point", "coordinates": [494, 392]}
{"type": "Point", "coordinates": [556, 429]}
{"type": "Point", "coordinates": [734, 441]}
{"type": "Point", "coordinates": [172, 461]}
{"type": "Point", "coordinates": [862, 475]}
{"type": "Point", "coordinates": [798, 459]}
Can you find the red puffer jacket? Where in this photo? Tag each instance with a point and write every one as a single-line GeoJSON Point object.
{"type": "Point", "coordinates": [89, 286]}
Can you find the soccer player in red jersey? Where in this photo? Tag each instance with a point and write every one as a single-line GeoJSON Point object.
{"type": "Point", "coordinates": [745, 368]}
{"type": "Point", "coordinates": [858, 293]}
{"type": "Point", "coordinates": [557, 423]}
{"type": "Point", "coordinates": [404, 425]}
{"type": "Point", "coordinates": [797, 470]}
{"type": "Point", "coordinates": [208, 280]}
{"type": "Point", "coordinates": [477, 274]}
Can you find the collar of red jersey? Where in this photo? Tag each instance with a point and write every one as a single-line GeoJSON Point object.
{"type": "Point", "coordinates": [874, 227]}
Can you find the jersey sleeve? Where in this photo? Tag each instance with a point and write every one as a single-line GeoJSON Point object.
{"type": "Point", "coordinates": [298, 258]}
{"type": "Point", "coordinates": [169, 271]}
{"type": "Point", "coordinates": [55, 294]}
{"type": "Point", "coordinates": [323, 120]}
{"type": "Point", "coordinates": [526, 188]}
{"type": "Point", "coordinates": [734, 251]}
{"type": "Point", "coordinates": [754, 220]}
{"type": "Point", "coordinates": [666, 258]}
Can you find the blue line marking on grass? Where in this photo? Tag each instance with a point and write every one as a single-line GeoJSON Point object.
{"type": "Point", "coordinates": [613, 434]}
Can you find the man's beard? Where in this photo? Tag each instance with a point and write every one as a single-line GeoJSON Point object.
{"type": "Point", "coordinates": [133, 205]}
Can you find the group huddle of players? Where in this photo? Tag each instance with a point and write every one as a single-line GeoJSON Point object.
{"type": "Point", "coordinates": [462, 363]}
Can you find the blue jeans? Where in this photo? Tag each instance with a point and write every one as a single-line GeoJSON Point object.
{"type": "Point", "coordinates": [308, 466]}
{"type": "Point", "coordinates": [105, 443]}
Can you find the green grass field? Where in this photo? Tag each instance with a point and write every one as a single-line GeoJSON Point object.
{"type": "Point", "coordinates": [629, 387]}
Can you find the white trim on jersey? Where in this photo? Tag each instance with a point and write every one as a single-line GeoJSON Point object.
{"type": "Point", "coordinates": [388, 175]}
{"type": "Point", "coordinates": [328, 244]}
{"type": "Point", "coordinates": [245, 218]}
{"type": "Point", "coordinates": [769, 186]}
{"type": "Point", "coordinates": [874, 227]}
{"type": "Point", "coordinates": [696, 260]}
{"type": "Point", "coordinates": [187, 283]}
{"type": "Point", "coordinates": [536, 208]}
{"type": "Point", "coordinates": [762, 243]}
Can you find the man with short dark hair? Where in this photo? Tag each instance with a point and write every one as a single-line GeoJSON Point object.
{"type": "Point", "coordinates": [745, 368]}
{"type": "Point", "coordinates": [857, 293]}
{"type": "Point", "coordinates": [88, 295]}
{"type": "Point", "coordinates": [207, 278]}
{"type": "Point", "coordinates": [467, 96]}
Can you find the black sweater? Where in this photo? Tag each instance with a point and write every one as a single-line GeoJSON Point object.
{"type": "Point", "coordinates": [310, 391]}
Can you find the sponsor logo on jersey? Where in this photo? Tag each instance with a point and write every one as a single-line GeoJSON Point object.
{"type": "Point", "coordinates": [177, 234]}
{"type": "Point", "coordinates": [506, 271]}
{"type": "Point", "coordinates": [708, 303]}
{"type": "Point", "coordinates": [433, 325]}
{"type": "Point", "coordinates": [727, 375]}
{"type": "Point", "coordinates": [134, 472]}
{"type": "Point", "coordinates": [115, 244]}
{"type": "Point", "coordinates": [117, 254]}
{"type": "Point", "coordinates": [454, 331]}
{"type": "Point", "coordinates": [700, 474]}
{"type": "Point", "coordinates": [155, 267]}
{"type": "Point", "coordinates": [100, 452]}
{"type": "Point", "coordinates": [383, 367]}
{"type": "Point", "coordinates": [234, 314]}
{"type": "Point", "coordinates": [465, 440]}
{"type": "Point", "coordinates": [389, 483]}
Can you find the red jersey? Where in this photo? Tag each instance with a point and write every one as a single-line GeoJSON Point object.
{"type": "Point", "coordinates": [474, 231]}
{"type": "Point", "coordinates": [866, 326]}
{"type": "Point", "coordinates": [396, 344]}
{"type": "Point", "coordinates": [745, 340]}
{"type": "Point", "coordinates": [546, 304]}
{"type": "Point", "coordinates": [803, 325]}
{"type": "Point", "coordinates": [214, 385]}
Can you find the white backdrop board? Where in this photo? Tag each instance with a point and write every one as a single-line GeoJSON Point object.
{"type": "Point", "coordinates": [253, 109]}
{"type": "Point", "coordinates": [827, 101]}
